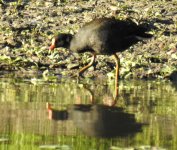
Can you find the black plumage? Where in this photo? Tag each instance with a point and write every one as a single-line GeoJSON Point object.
{"type": "Point", "coordinates": [104, 36]}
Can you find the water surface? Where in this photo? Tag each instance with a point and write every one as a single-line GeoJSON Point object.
{"type": "Point", "coordinates": [85, 115]}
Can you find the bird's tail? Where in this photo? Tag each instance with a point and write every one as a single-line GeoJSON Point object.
{"type": "Point", "coordinates": [144, 36]}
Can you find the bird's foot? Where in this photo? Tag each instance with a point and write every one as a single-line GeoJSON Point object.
{"type": "Point", "coordinates": [78, 76]}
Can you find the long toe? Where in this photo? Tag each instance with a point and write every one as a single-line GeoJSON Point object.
{"type": "Point", "coordinates": [80, 75]}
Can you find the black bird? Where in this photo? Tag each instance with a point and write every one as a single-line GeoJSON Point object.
{"type": "Point", "coordinates": [98, 120]}
{"type": "Point", "coordinates": [104, 36]}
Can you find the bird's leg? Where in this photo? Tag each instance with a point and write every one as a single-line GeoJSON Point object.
{"type": "Point", "coordinates": [91, 93]}
{"type": "Point", "coordinates": [87, 66]}
{"type": "Point", "coordinates": [117, 60]}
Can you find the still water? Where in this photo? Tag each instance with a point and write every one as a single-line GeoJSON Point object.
{"type": "Point", "coordinates": [65, 115]}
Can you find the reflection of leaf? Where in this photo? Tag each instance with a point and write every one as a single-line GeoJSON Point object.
{"type": "Point", "coordinates": [62, 147]}
{"type": "Point", "coordinates": [4, 139]}
{"type": "Point", "coordinates": [36, 81]}
{"type": "Point", "coordinates": [45, 74]}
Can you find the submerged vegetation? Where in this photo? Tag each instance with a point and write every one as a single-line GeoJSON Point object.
{"type": "Point", "coordinates": [27, 27]}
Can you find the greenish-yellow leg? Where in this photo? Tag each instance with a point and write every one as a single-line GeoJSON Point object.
{"type": "Point", "coordinates": [87, 66]}
{"type": "Point", "coordinates": [117, 60]}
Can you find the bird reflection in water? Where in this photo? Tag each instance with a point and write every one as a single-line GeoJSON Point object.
{"type": "Point", "coordinates": [98, 120]}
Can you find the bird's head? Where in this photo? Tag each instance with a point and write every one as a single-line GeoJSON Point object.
{"type": "Point", "coordinates": [61, 40]}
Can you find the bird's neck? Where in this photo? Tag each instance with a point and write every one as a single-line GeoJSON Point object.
{"type": "Point", "coordinates": [68, 40]}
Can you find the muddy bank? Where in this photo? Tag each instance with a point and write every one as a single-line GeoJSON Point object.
{"type": "Point", "coordinates": [26, 29]}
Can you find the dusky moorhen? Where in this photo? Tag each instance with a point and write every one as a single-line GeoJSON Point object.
{"type": "Point", "coordinates": [104, 36]}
